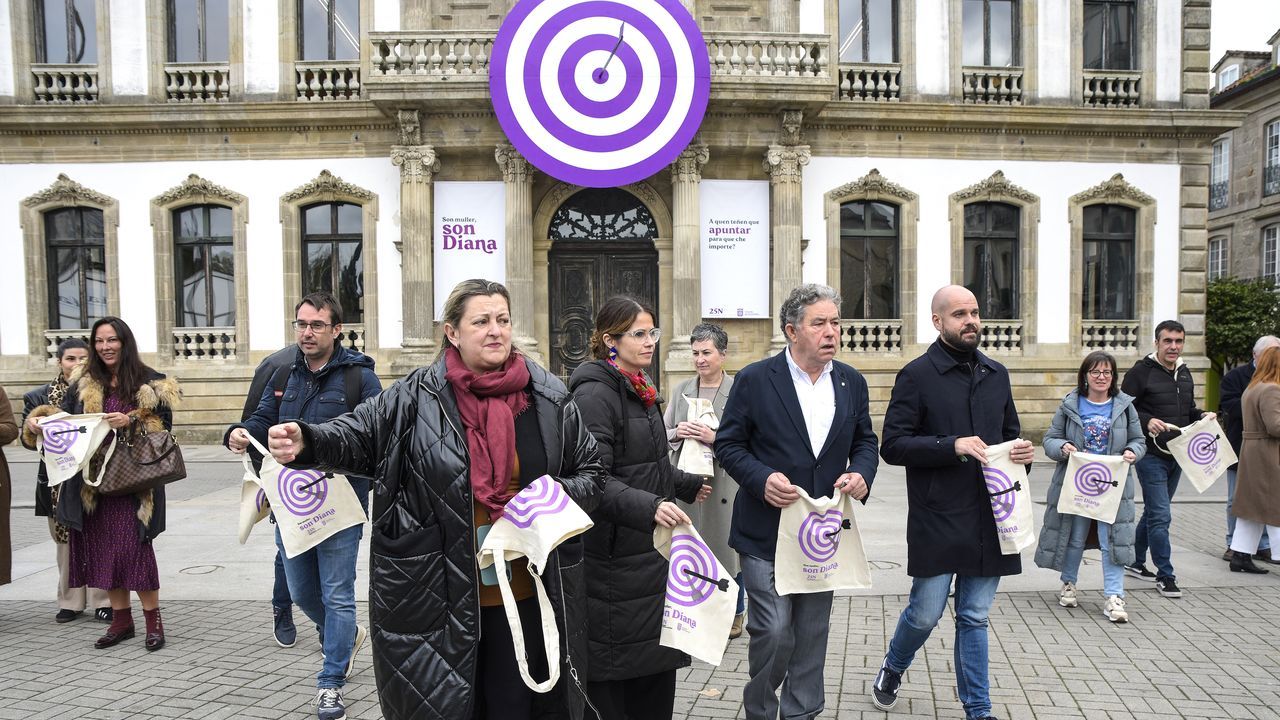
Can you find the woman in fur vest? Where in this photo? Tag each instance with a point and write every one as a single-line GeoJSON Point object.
{"type": "Point", "coordinates": [110, 537]}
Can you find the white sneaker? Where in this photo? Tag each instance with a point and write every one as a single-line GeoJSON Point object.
{"type": "Point", "coordinates": [361, 634]}
{"type": "Point", "coordinates": [1114, 610]}
{"type": "Point", "coordinates": [1067, 598]}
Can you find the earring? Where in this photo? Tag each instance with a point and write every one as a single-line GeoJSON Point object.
{"type": "Point", "coordinates": [613, 353]}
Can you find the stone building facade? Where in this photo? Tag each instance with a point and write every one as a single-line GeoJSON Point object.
{"type": "Point", "coordinates": [1008, 145]}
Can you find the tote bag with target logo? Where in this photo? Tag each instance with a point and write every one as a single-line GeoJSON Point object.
{"type": "Point", "coordinates": [1203, 453]}
{"type": "Point", "coordinates": [1093, 486]}
{"type": "Point", "coordinates": [701, 596]}
{"type": "Point", "coordinates": [533, 523]}
{"type": "Point", "coordinates": [253, 500]}
{"type": "Point", "coordinates": [1010, 499]}
{"type": "Point", "coordinates": [819, 547]}
{"type": "Point", "coordinates": [67, 442]}
{"type": "Point", "coordinates": [310, 505]}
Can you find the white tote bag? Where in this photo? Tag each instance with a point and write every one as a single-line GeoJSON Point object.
{"type": "Point", "coordinates": [1203, 453]}
{"type": "Point", "coordinates": [533, 523]}
{"type": "Point", "coordinates": [696, 458]}
{"type": "Point", "coordinates": [701, 595]}
{"type": "Point", "coordinates": [1010, 499]}
{"type": "Point", "coordinates": [310, 506]}
{"type": "Point", "coordinates": [67, 442]}
{"type": "Point", "coordinates": [1093, 486]}
{"type": "Point", "coordinates": [253, 500]}
{"type": "Point", "coordinates": [819, 547]}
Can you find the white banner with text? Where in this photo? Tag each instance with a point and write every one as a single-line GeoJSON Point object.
{"type": "Point", "coordinates": [470, 235]}
{"type": "Point", "coordinates": [735, 249]}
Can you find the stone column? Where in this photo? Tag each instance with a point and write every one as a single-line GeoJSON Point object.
{"type": "Point", "coordinates": [417, 165]}
{"type": "Point", "coordinates": [517, 173]}
{"type": "Point", "coordinates": [784, 163]}
{"type": "Point", "coordinates": [686, 284]}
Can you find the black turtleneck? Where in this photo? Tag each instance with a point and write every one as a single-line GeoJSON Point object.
{"type": "Point", "coordinates": [964, 357]}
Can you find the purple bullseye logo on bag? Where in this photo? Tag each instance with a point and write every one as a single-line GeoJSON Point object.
{"type": "Point", "coordinates": [1203, 448]}
{"type": "Point", "coordinates": [1002, 491]}
{"type": "Point", "coordinates": [302, 491]}
{"type": "Point", "coordinates": [819, 535]}
{"type": "Point", "coordinates": [1094, 479]}
{"type": "Point", "coordinates": [543, 496]}
{"type": "Point", "coordinates": [599, 93]}
{"type": "Point", "coordinates": [260, 502]}
{"type": "Point", "coordinates": [59, 435]}
{"type": "Point", "coordinates": [693, 573]}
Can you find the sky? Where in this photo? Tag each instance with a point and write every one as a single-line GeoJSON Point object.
{"type": "Point", "coordinates": [1242, 25]}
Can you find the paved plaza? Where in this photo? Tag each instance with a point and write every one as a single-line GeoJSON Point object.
{"type": "Point", "coordinates": [1212, 654]}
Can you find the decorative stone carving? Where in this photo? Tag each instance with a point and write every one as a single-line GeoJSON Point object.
{"type": "Point", "coordinates": [328, 183]}
{"type": "Point", "coordinates": [872, 184]}
{"type": "Point", "coordinates": [194, 187]}
{"type": "Point", "coordinates": [410, 130]}
{"type": "Point", "coordinates": [995, 186]}
{"type": "Point", "coordinates": [417, 163]}
{"type": "Point", "coordinates": [688, 166]}
{"type": "Point", "coordinates": [1115, 189]}
{"type": "Point", "coordinates": [515, 168]}
{"type": "Point", "coordinates": [785, 163]}
{"type": "Point", "coordinates": [792, 122]}
{"type": "Point", "coordinates": [66, 191]}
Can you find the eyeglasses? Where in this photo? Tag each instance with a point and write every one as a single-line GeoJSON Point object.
{"type": "Point", "coordinates": [1099, 373]}
{"type": "Point", "coordinates": [654, 334]}
{"type": "Point", "coordinates": [315, 325]}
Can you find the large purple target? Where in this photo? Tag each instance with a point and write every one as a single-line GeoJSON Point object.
{"type": "Point", "coordinates": [1002, 491]}
{"type": "Point", "coordinates": [1093, 479]}
{"type": "Point", "coordinates": [599, 93]}
{"type": "Point", "coordinates": [543, 496]}
{"type": "Point", "coordinates": [819, 535]}
{"type": "Point", "coordinates": [302, 492]}
{"type": "Point", "coordinates": [1203, 448]}
{"type": "Point", "coordinates": [59, 435]}
{"type": "Point", "coordinates": [693, 571]}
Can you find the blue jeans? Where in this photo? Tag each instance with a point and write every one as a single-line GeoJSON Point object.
{"type": "Point", "coordinates": [322, 582]}
{"type": "Point", "coordinates": [742, 595]}
{"type": "Point", "coordinates": [1159, 479]}
{"type": "Point", "coordinates": [280, 591]}
{"type": "Point", "coordinates": [1112, 573]}
{"type": "Point", "coordinates": [925, 607]}
{"type": "Point", "coordinates": [1231, 519]}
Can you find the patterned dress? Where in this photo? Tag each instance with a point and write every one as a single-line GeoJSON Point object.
{"type": "Point", "coordinates": [109, 553]}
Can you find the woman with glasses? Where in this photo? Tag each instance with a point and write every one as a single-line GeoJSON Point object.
{"type": "Point", "coordinates": [1095, 418]}
{"type": "Point", "coordinates": [1257, 501]}
{"type": "Point", "coordinates": [630, 675]}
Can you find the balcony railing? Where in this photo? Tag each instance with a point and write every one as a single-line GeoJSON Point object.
{"type": "Point", "coordinates": [352, 336]}
{"type": "Point", "coordinates": [1271, 180]}
{"type": "Point", "coordinates": [992, 85]}
{"type": "Point", "coordinates": [1109, 335]}
{"type": "Point", "coordinates": [204, 343]}
{"type": "Point", "coordinates": [54, 338]}
{"type": "Point", "coordinates": [1112, 88]}
{"type": "Point", "coordinates": [65, 83]}
{"type": "Point", "coordinates": [324, 80]}
{"type": "Point", "coordinates": [1001, 337]}
{"type": "Point", "coordinates": [871, 336]}
{"type": "Point", "coordinates": [197, 82]}
{"type": "Point", "coordinates": [438, 56]}
{"type": "Point", "coordinates": [1218, 195]}
{"type": "Point", "coordinates": [767, 54]}
{"type": "Point", "coordinates": [870, 82]}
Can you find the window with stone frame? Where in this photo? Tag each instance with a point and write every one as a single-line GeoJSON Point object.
{"type": "Point", "coordinates": [1110, 35]}
{"type": "Point", "coordinates": [991, 258]}
{"type": "Point", "coordinates": [329, 30]}
{"type": "Point", "coordinates": [75, 252]}
{"type": "Point", "coordinates": [869, 31]}
{"type": "Point", "coordinates": [1220, 175]}
{"type": "Point", "coordinates": [204, 267]}
{"type": "Point", "coordinates": [1271, 165]}
{"type": "Point", "coordinates": [1217, 258]}
{"type": "Point", "coordinates": [1110, 242]}
{"type": "Point", "coordinates": [990, 33]}
{"type": "Point", "coordinates": [66, 31]}
{"type": "Point", "coordinates": [198, 31]}
{"type": "Point", "coordinates": [332, 255]}
{"type": "Point", "coordinates": [869, 259]}
{"type": "Point", "coordinates": [1271, 252]}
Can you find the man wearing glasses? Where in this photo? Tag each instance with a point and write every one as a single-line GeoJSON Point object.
{"type": "Point", "coordinates": [319, 387]}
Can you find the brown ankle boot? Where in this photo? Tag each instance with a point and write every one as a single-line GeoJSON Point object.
{"type": "Point", "coordinates": [155, 629]}
{"type": "Point", "coordinates": [121, 629]}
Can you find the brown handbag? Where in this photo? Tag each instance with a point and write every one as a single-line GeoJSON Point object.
{"type": "Point", "coordinates": [141, 461]}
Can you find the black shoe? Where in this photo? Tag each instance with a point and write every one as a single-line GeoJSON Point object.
{"type": "Point", "coordinates": [66, 616]}
{"type": "Point", "coordinates": [1242, 562]}
{"type": "Point", "coordinates": [884, 691]}
{"type": "Point", "coordinates": [285, 631]}
{"type": "Point", "coordinates": [1140, 571]}
{"type": "Point", "coordinates": [1226, 554]}
{"type": "Point", "coordinates": [103, 614]}
{"type": "Point", "coordinates": [1168, 588]}
{"type": "Point", "coordinates": [1266, 557]}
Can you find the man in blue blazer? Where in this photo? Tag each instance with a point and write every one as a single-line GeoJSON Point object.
{"type": "Point", "coordinates": [796, 420]}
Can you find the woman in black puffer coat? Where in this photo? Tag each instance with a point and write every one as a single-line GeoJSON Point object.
{"type": "Point", "coordinates": [631, 675]}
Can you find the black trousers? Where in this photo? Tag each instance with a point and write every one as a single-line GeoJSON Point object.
{"type": "Point", "coordinates": [650, 697]}
{"type": "Point", "coordinates": [501, 694]}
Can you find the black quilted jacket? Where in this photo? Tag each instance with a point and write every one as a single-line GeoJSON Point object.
{"type": "Point", "coordinates": [423, 603]}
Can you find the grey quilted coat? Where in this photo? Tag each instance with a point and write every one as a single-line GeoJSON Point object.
{"type": "Point", "coordinates": [423, 602]}
{"type": "Point", "coordinates": [1126, 434]}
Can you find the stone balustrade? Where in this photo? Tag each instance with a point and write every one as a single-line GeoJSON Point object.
{"type": "Point", "coordinates": [325, 80]}
{"type": "Point", "coordinates": [197, 82]}
{"type": "Point", "coordinates": [54, 338]}
{"type": "Point", "coordinates": [767, 54]}
{"type": "Point", "coordinates": [871, 336]}
{"type": "Point", "coordinates": [352, 336]}
{"type": "Point", "coordinates": [1112, 88]}
{"type": "Point", "coordinates": [992, 85]}
{"type": "Point", "coordinates": [204, 343]}
{"type": "Point", "coordinates": [58, 84]}
{"type": "Point", "coordinates": [1001, 337]}
{"type": "Point", "coordinates": [433, 55]}
{"type": "Point", "coordinates": [870, 82]}
{"type": "Point", "coordinates": [1109, 335]}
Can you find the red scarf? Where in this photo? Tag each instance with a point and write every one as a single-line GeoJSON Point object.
{"type": "Point", "coordinates": [640, 383]}
{"type": "Point", "coordinates": [488, 404]}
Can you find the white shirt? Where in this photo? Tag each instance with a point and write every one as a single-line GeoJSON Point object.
{"type": "Point", "coordinates": [817, 402]}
